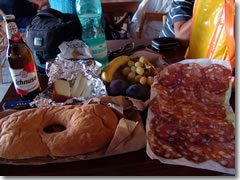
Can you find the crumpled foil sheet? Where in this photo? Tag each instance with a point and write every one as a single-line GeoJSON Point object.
{"type": "Point", "coordinates": [68, 69]}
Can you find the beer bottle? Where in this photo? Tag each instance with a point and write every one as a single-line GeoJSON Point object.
{"type": "Point", "coordinates": [21, 62]}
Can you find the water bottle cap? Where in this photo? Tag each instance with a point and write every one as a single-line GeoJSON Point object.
{"type": "Point", "coordinates": [9, 17]}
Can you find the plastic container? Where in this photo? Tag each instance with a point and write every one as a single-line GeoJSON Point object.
{"type": "Point", "coordinates": [90, 13]}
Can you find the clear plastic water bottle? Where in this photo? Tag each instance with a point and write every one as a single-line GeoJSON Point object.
{"type": "Point", "coordinates": [90, 13]}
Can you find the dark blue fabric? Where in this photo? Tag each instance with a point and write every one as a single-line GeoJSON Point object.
{"type": "Point", "coordinates": [22, 9]}
{"type": "Point", "coordinates": [181, 10]}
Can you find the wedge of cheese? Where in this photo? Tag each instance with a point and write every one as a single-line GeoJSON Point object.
{"type": "Point", "coordinates": [79, 86]}
{"type": "Point", "coordinates": [61, 90]}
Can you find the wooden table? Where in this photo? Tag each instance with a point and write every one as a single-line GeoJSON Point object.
{"type": "Point", "coordinates": [130, 164]}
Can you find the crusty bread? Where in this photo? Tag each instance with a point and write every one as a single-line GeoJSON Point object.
{"type": "Point", "coordinates": [88, 129]}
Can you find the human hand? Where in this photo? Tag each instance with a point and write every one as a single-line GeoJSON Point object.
{"type": "Point", "coordinates": [182, 30]}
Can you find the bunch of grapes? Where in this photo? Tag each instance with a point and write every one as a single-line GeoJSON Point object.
{"type": "Point", "coordinates": [140, 71]}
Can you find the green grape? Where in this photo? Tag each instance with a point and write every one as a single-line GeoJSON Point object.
{"type": "Point", "coordinates": [150, 80]}
{"type": "Point", "coordinates": [137, 78]}
{"type": "Point", "coordinates": [126, 70]}
{"type": "Point", "coordinates": [131, 63]}
{"type": "Point", "coordinates": [140, 70]}
{"type": "Point", "coordinates": [143, 80]}
{"type": "Point", "coordinates": [143, 60]}
{"type": "Point", "coordinates": [133, 68]}
{"type": "Point", "coordinates": [131, 75]}
{"type": "Point", "coordinates": [139, 64]}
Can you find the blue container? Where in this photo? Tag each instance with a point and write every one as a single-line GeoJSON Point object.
{"type": "Point", "coordinates": [64, 6]}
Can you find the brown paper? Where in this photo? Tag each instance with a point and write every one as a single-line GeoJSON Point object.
{"type": "Point", "coordinates": [157, 60]}
{"type": "Point", "coordinates": [129, 135]}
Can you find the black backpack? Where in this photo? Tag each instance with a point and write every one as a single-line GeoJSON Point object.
{"type": "Point", "coordinates": [47, 30]}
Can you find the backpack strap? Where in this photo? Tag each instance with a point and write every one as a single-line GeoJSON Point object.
{"type": "Point", "coordinates": [49, 13]}
{"type": "Point", "coordinates": [56, 14]}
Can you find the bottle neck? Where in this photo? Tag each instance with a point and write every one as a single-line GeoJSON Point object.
{"type": "Point", "coordinates": [90, 7]}
{"type": "Point", "coordinates": [13, 33]}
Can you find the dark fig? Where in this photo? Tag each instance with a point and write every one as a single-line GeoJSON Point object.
{"type": "Point", "coordinates": [118, 87]}
{"type": "Point", "coordinates": [138, 91]}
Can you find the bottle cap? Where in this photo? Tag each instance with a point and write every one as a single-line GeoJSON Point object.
{"type": "Point", "coordinates": [9, 17]}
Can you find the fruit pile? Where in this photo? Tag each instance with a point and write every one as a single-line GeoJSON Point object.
{"type": "Point", "coordinates": [140, 71]}
{"type": "Point", "coordinates": [134, 77]}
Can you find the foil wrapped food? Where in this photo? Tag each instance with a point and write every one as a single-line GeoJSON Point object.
{"type": "Point", "coordinates": [68, 69]}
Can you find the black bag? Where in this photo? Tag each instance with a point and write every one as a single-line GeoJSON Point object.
{"type": "Point", "coordinates": [47, 30]}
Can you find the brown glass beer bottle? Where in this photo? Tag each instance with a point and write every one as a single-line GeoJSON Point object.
{"type": "Point", "coordinates": [21, 62]}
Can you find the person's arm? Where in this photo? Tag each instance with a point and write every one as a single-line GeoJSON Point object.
{"type": "Point", "coordinates": [39, 3]}
{"type": "Point", "coordinates": [179, 21]}
{"type": "Point", "coordinates": [182, 30]}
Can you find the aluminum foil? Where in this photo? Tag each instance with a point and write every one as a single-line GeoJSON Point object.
{"type": "Point", "coordinates": [68, 69]}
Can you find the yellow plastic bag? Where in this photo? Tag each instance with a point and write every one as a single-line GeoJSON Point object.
{"type": "Point", "coordinates": [213, 31]}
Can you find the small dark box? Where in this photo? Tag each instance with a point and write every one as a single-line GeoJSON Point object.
{"type": "Point", "coordinates": [164, 43]}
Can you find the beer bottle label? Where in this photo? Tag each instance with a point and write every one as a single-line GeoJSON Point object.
{"type": "Point", "coordinates": [13, 33]}
{"type": "Point", "coordinates": [25, 80]}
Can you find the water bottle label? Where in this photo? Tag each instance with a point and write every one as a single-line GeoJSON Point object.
{"type": "Point", "coordinates": [99, 52]}
{"type": "Point", "coordinates": [25, 80]}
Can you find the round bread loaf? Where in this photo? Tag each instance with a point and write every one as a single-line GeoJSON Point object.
{"type": "Point", "coordinates": [83, 129]}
